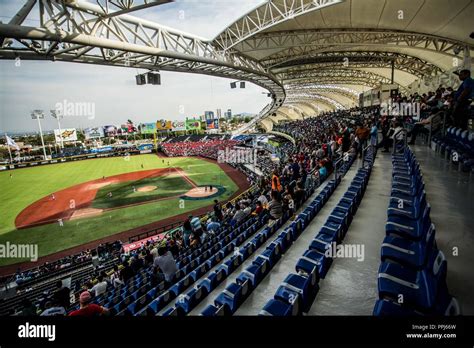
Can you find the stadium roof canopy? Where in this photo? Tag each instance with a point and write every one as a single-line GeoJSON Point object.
{"type": "Point", "coordinates": [353, 43]}
{"type": "Point", "coordinates": [320, 53]}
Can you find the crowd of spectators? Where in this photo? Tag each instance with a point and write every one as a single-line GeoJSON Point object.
{"type": "Point", "coordinates": [206, 148]}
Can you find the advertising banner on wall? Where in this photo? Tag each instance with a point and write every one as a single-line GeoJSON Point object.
{"type": "Point", "coordinates": [147, 128]}
{"type": "Point", "coordinates": [163, 125]}
{"type": "Point", "coordinates": [145, 148]}
{"type": "Point", "coordinates": [110, 131]}
{"type": "Point", "coordinates": [193, 124]}
{"type": "Point", "coordinates": [128, 128]}
{"type": "Point", "coordinates": [94, 132]}
{"type": "Point", "coordinates": [68, 134]}
{"type": "Point", "coordinates": [102, 149]}
{"type": "Point", "coordinates": [178, 126]}
{"type": "Point", "coordinates": [212, 124]}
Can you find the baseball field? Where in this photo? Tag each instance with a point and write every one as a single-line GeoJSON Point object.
{"type": "Point", "coordinates": [61, 206]}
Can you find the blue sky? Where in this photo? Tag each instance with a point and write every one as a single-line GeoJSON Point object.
{"type": "Point", "coordinates": [40, 85]}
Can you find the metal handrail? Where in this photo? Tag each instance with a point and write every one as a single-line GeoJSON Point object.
{"type": "Point", "coordinates": [336, 165]}
{"type": "Point", "coordinates": [395, 141]}
{"type": "Point", "coordinates": [364, 151]}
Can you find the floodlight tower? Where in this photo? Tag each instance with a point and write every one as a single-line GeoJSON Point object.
{"type": "Point", "coordinates": [58, 116]}
{"type": "Point", "coordinates": [38, 115]}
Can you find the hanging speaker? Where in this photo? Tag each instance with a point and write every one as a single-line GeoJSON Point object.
{"type": "Point", "coordinates": [141, 80]}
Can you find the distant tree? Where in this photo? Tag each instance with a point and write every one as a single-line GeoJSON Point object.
{"type": "Point", "coordinates": [247, 119]}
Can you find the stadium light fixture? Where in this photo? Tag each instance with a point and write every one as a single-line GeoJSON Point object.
{"type": "Point", "coordinates": [58, 116]}
{"type": "Point", "coordinates": [38, 115]}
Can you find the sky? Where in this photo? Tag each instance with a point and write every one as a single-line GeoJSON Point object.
{"type": "Point", "coordinates": [112, 91]}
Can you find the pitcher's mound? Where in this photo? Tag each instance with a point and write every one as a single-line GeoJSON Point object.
{"type": "Point", "coordinates": [146, 188]}
{"type": "Point", "coordinates": [199, 192]}
{"type": "Point", "coordinates": [86, 212]}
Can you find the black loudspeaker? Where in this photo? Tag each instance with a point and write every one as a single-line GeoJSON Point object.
{"type": "Point", "coordinates": [242, 84]}
{"type": "Point", "coordinates": [233, 85]}
{"type": "Point", "coordinates": [140, 79]}
{"type": "Point", "coordinates": [153, 78]}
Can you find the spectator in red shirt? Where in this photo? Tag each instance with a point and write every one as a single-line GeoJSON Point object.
{"type": "Point", "coordinates": [88, 309]}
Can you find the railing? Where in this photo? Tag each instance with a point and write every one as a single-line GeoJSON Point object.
{"type": "Point", "coordinates": [336, 167]}
{"type": "Point", "coordinates": [440, 117]}
{"type": "Point", "coordinates": [399, 141]}
{"type": "Point", "coordinates": [364, 151]}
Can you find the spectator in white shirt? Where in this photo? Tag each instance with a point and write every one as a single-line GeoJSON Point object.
{"type": "Point", "coordinates": [100, 288]}
{"type": "Point", "coordinates": [166, 263]}
{"type": "Point", "coordinates": [263, 199]}
{"type": "Point", "coordinates": [53, 308]}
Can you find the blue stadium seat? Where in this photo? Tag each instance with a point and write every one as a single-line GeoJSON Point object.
{"type": "Point", "coordinates": [386, 307]}
{"type": "Point", "coordinates": [314, 258]}
{"type": "Point", "coordinates": [232, 296]}
{"type": "Point", "coordinates": [424, 290]}
{"type": "Point", "coordinates": [175, 311]}
{"type": "Point", "coordinates": [213, 311]}
{"type": "Point", "coordinates": [279, 308]}
{"type": "Point", "coordinates": [254, 274]}
{"type": "Point", "coordinates": [408, 228]}
{"type": "Point", "coordinates": [301, 285]}
{"type": "Point", "coordinates": [407, 252]}
{"type": "Point", "coordinates": [189, 300]}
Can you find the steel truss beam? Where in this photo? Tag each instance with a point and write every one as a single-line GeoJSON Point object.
{"type": "Point", "coordinates": [298, 44]}
{"type": "Point", "coordinates": [79, 31]}
{"type": "Point", "coordinates": [355, 59]}
{"type": "Point", "coordinates": [118, 7]}
{"type": "Point", "coordinates": [311, 105]}
{"type": "Point", "coordinates": [265, 16]}
{"type": "Point", "coordinates": [316, 76]}
{"type": "Point", "coordinates": [303, 92]}
{"type": "Point", "coordinates": [315, 98]}
{"type": "Point", "coordinates": [336, 77]}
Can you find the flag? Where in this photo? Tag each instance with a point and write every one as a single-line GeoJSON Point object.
{"type": "Point", "coordinates": [11, 142]}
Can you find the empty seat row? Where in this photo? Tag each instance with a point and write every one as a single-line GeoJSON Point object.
{"type": "Point", "coordinates": [412, 274]}
{"type": "Point", "coordinates": [457, 146]}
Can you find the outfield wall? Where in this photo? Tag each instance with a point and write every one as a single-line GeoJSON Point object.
{"type": "Point", "coordinates": [74, 158]}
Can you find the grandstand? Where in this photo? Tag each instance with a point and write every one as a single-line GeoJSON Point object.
{"type": "Point", "coordinates": [349, 194]}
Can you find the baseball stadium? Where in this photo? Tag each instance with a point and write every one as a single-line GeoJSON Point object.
{"type": "Point", "coordinates": [62, 209]}
{"type": "Point", "coordinates": [247, 158]}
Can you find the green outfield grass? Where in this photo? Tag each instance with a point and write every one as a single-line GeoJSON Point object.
{"type": "Point", "coordinates": [30, 184]}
